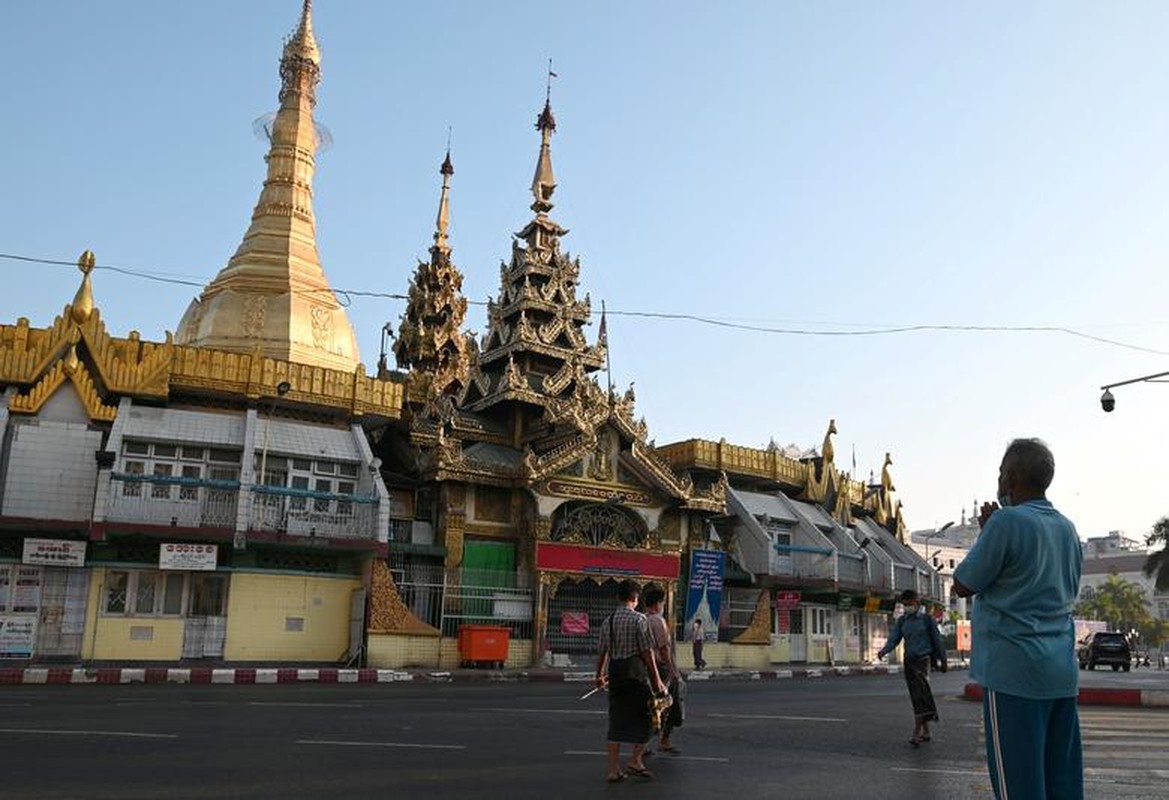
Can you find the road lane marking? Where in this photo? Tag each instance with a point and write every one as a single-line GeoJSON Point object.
{"type": "Point", "coordinates": [404, 745]}
{"type": "Point", "coordinates": [669, 758]}
{"type": "Point", "coordinates": [127, 734]}
{"type": "Point", "coordinates": [308, 705]}
{"type": "Point", "coordinates": [777, 716]}
{"type": "Point", "coordinates": [537, 711]}
{"type": "Point", "coordinates": [980, 773]}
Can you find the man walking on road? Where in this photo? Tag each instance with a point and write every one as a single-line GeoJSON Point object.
{"type": "Point", "coordinates": [627, 668]}
{"type": "Point", "coordinates": [923, 646]}
{"type": "Point", "coordinates": [667, 666]}
{"type": "Point", "coordinates": [1024, 572]}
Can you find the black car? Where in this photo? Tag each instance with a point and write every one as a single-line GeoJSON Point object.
{"type": "Point", "coordinates": [1104, 647]}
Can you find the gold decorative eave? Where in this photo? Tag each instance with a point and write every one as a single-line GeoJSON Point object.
{"type": "Point", "coordinates": [69, 369]}
{"type": "Point", "coordinates": [128, 367]}
{"type": "Point", "coordinates": [590, 357]}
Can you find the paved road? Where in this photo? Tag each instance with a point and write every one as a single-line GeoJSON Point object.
{"type": "Point", "coordinates": [830, 738]}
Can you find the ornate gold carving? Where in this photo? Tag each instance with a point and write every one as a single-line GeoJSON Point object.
{"type": "Point", "coordinates": [759, 630]}
{"type": "Point", "coordinates": [597, 524]}
{"type": "Point", "coordinates": [322, 326]}
{"type": "Point", "coordinates": [602, 465]}
{"type": "Point", "coordinates": [453, 537]}
{"type": "Point", "coordinates": [83, 306]}
{"type": "Point", "coordinates": [588, 491]}
{"type": "Point", "coordinates": [387, 611]}
{"type": "Point", "coordinates": [251, 323]}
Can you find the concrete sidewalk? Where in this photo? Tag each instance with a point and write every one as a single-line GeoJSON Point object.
{"type": "Point", "coordinates": [264, 675]}
{"type": "Point", "coordinates": [1098, 696]}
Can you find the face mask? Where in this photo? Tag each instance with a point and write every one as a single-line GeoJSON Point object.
{"type": "Point", "coordinates": [1004, 500]}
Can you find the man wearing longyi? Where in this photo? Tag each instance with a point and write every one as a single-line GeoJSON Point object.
{"type": "Point", "coordinates": [628, 668]}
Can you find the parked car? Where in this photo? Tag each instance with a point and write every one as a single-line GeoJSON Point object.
{"type": "Point", "coordinates": [1105, 647]}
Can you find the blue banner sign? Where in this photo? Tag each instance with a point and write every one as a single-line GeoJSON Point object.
{"type": "Point", "coordinates": [705, 594]}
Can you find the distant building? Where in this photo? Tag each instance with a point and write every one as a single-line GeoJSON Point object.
{"type": "Point", "coordinates": [944, 548]}
{"type": "Point", "coordinates": [1113, 543]}
{"type": "Point", "coordinates": [1116, 554]}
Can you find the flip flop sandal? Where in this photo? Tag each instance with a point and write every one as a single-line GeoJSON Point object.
{"type": "Point", "coordinates": [671, 750]}
{"type": "Point", "coordinates": [620, 776]}
{"type": "Point", "coordinates": [639, 772]}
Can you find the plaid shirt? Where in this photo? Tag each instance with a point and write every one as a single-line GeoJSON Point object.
{"type": "Point", "coordinates": [630, 634]}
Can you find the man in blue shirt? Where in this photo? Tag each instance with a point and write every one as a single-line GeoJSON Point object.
{"type": "Point", "coordinates": [1024, 572]}
{"type": "Point", "coordinates": [923, 646]}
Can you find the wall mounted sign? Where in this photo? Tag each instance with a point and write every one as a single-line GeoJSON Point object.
{"type": "Point", "coordinates": [54, 552]}
{"type": "Point", "coordinates": [187, 556]}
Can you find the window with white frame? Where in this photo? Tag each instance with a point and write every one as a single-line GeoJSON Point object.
{"type": "Point", "coordinates": [821, 621]}
{"type": "Point", "coordinates": [165, 460]}
{"type": "Point", "coordinates": [316, 476]}
{"type": "Point", "coordinates": [144, 593]}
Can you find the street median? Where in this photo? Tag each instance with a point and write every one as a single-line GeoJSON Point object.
{"type": "Point", "coordinates": [1100, 696]}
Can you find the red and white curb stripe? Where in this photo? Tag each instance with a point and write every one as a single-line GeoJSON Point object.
{"type": "Point", "coordinates": [258, 675]}
{"type": "Point", "coordinates": [119, 675]}
{"type": "Point", "coordinates": [1096, 696]}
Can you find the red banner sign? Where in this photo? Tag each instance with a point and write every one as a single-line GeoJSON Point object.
{"type": "Point", "coordinates": [786, 600]}
{"type": "Point", "coordinates": [575, 558]}
{"type": "Point", "coordinates": [574, 623]}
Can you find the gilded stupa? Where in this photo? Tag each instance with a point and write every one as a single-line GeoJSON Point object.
{"type": "Point", "coordinates": [273, 296]}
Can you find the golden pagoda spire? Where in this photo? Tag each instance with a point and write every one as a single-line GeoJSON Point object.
{"type": "Point", "coordinates": [443, 222]}
{"type": "Point", "coordinates": [273, 294]}
{"type": "Point", "coordinates": [302, 43]}
{"type": "Point", "coordinates": [544, 181]}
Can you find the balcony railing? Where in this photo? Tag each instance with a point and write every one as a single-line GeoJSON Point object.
{"type": "Point", "coordinates": [303, 512]}
{"type": "Point", "coordinates": [850, 570]}
{"type": "Point", "coordinates": [175, 501]}
{"type": "Point", "coordinates": [904, 577]}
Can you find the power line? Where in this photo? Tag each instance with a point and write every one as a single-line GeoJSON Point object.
{"type": "Point", "coordinates": [345, 296]}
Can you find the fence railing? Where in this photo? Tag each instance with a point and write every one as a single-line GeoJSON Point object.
{"type": "Point", "coordinates": [450, 598]}
{"type": "Point", "coordinates": [174, 501]}
{"type": "Point", "coordinates": [302, 512]}
{"type": "Point", "coordinates": [904, 577]}
{"type": "Point", "coordinates": [850, 570]}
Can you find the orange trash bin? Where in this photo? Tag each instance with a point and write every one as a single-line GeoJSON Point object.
{"type": "Point", "coordinates": [483, 645]}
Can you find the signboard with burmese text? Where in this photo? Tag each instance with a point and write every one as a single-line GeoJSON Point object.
{"type": "Point", "coordinates": [186, 556]}
{"type": "Point", "coordinates": [53, 552]}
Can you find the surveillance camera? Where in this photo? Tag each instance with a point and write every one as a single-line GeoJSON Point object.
{"type": "Point", "coordinates": [1107, 401]}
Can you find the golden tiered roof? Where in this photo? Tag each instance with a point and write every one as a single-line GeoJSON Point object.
{"type": "Point", "coordinates": [814, 479]}
{"type": "Point", "coordinates": [273, 294]}
{"type": "Point", "coordinates": [102, 368]}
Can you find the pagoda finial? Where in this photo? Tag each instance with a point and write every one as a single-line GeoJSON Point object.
{"type": "Point", "coordinates": [544, 181]}
{"type": "Point", "coordinates": [443, 221]}
{"type": "Point", "coordinates": [82, 307]}
{"type": "Point", "coordinates": [302, 43]}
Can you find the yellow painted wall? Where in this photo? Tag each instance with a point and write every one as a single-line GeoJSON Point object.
{"type": "Point", "coordinates": [259, 605]}
{"type": "Point", "coordinates": [401, 651]}
{"type": "Point", "coordinates": [108, 638]}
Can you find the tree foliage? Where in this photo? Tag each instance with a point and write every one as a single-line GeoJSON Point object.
{"type": "Point", "coordinates": [1120, 603]}
{"type": "Point", "coordinates": [1157, 563]}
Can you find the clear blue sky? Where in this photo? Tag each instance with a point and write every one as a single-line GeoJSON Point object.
{"type": "Point", "coordinates": [849, 163]}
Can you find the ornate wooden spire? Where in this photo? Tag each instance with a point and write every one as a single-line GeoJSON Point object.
{"type": "Point", "coordinates": [535, 324]}
{"type": "Point", "coordinates": [430, 339]}
{"type": "Point", "coordinates": [273, 293]}
{"type": "Point", "coordinates": [442, 223]}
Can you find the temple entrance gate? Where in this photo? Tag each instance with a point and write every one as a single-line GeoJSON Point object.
{"type": "Point", "coordinates": [575, 614]}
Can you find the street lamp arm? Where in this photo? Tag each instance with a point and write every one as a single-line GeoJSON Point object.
{"type": "Point", "coordinates": [1135, 380]}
